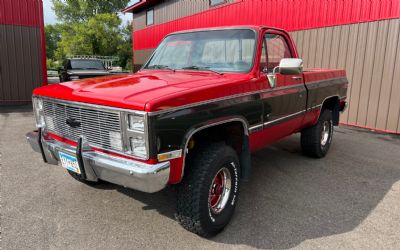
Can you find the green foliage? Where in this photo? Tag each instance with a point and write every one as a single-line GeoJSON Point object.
{"type": "Point", "coordinates": [125, 47]}
{"type": "Point", "coordinates": [53, 36]}
{"type": "Point", "coordinates": [82, 10]}
{"type": "Point", "coordinates": [52, 65]}
{"type": "Point", "coordinates": [89, 28]}
{"type": "Point", "coordinates": [100, 35]}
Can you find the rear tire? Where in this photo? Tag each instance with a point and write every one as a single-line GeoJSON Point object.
{"type": "Point", "coordinates": [207, 196]}
{"type": "Point", "coordinates": [316, 140]}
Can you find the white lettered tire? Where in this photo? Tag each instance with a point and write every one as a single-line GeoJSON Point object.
{"type": "Point", "coordinates": [209, 192]}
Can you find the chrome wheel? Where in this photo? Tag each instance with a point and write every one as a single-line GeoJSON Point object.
{"type": "Point", "coordinates": [220, 190]}
{"type": "Point", "coordinates": [325, 133]}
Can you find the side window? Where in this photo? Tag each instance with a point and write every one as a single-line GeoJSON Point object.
{"type": "Point", "coordinates": [277, 48]}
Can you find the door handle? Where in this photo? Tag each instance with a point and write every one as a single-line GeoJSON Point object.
{"type": "Point", "coordinates": [297, 77]}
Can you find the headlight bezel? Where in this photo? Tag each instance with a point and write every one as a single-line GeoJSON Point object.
{"type": "Point", "coordinates": [132, 132]}
{"type": "Point", "coordinates": [37, 104]}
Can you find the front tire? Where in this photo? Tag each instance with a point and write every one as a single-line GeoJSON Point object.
{"type": "Point", "coordinates": [207, 196]}
{"type": "Point", "coordinates": [316, 140]}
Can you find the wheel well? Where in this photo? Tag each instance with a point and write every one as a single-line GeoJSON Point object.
{"type": "Point", "coordinates": [332, 103]}
{"type": "Point", "coordinates": [233, 133]}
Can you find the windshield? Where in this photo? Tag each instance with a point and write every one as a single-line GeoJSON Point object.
{"type": "Point", "coordinates": [87, 64]}
{"type": "Point", "coordinates": [215, 50]}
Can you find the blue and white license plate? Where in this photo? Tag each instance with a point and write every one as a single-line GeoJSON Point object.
{"type": "Point", "coordinates": [69, 162]}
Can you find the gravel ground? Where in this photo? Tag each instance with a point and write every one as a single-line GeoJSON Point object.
{"type": "Point", "coordinates": [348, 200]}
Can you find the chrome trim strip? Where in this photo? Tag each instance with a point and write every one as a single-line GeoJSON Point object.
{"type": "Point", "coordinates": [170, 110]}
{"type": "Point", "coordinates": [283, 118]}
{"type": "Point", "coordinates": [315, 107]}
{"type": "Point", "coordinates": [255, 128]}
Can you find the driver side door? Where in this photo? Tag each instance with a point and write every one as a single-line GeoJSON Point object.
{"type": "Point", "coordinates": [285, 103]}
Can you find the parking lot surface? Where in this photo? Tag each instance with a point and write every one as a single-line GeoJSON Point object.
{"type": "Point", "coordinates": [348, 200]}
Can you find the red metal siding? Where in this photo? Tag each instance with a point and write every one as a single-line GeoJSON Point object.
{"type": "Point", "coordinates": [23, 49]}
{"type": "Point", "coordinates": [42, 42]}
{"type": "Point", "coordinates": [21, 12]}
{"type": "Point", "coordinates": [305, 14]}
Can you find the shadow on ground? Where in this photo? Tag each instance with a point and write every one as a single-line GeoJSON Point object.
{"type": "Point", "coordinates": [24, 109]}
{"type": "Point", "coordinates": [291, 198]}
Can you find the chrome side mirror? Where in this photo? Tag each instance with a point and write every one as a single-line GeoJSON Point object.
{"type": "Point", "coordinates": [291, 66]}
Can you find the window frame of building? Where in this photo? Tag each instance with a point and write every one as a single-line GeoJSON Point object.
{"type": "Point", "coordinates": [218, 2]}
{"type": "Point", "coordinates": [147, 17]}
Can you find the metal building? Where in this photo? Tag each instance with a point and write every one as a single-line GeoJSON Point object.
{"type": "Point", "coordinates": [22, 50]}
{"type": "Point", "coordinates": [362, 36]}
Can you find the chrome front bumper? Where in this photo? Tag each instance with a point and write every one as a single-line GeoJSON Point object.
{"type": "Point", "coordinates": [95, 165]}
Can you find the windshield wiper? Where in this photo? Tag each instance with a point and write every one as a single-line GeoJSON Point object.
{"type": "Point", "coordinates": [194, 67]}
{"type": "Point", "coordinates": [159, 66]}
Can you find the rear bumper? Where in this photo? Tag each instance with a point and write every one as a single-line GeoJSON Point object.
{"type": "Point", "coordinates": [95, 165]}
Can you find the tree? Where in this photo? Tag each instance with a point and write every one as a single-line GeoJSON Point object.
{"type": "Point", "coordinates": [125, 48]}
{"type": "Point", "coordinates": [90, 27]}
{"type": "Point", "coordinates": [100, 35]}
{"type": "Point", "coordinates": [53, 36]}
{"type": "Point", "coordinates": [82, 10]}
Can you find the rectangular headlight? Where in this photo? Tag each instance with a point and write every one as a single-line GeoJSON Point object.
{"type": "Point", "coordinates": [136, 122]}
{"type": "Point", "coordinates": [38, 111]}
{"type": "Point", "coordinates": [138, 146]}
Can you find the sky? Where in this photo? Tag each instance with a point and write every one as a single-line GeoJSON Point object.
{"type": "Point", "coordinates": [50, 17]}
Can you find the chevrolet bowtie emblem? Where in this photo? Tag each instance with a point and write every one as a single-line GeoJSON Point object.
{"type": "Point", "coordinates": [73, 123]}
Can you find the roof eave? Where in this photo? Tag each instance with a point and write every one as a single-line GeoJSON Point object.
{"type": "Point", "coordinates": [139, 6]}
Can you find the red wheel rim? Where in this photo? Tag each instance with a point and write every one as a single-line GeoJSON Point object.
{"type": "Point", "coordinates": [220, 190]}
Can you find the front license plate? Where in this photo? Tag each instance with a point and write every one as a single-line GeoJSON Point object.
{"type": "Point", "coordinates": [69, 162]}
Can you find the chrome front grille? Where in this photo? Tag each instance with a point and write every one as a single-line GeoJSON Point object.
{"type": "Point", "coordinates": [100, 127]}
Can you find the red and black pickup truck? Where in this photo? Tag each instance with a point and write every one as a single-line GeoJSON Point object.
{"type": "Point", "coordinates": [191, 117]}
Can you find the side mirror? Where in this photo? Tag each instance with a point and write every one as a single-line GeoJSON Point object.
{"type": "Point", "coordinates": [291, 66]}
{"type": "Point", "coordinates": [60, 68]}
